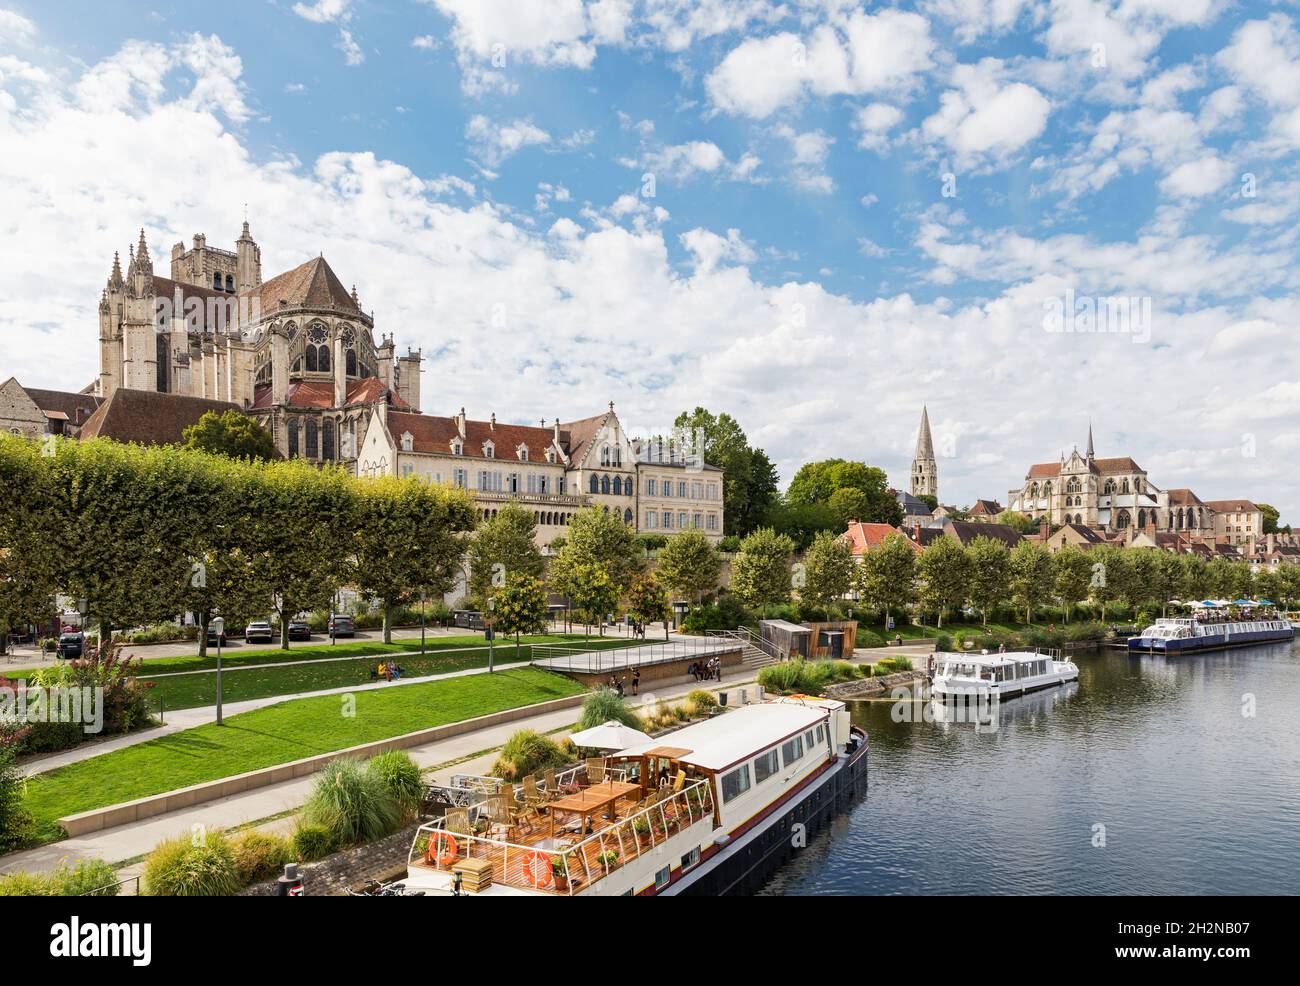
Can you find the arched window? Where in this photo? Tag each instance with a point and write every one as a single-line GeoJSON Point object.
{"type": "Point", "coordinates": [230, 284]}
{"type": "Point", "coordinates": [604, 455]}
{"type": "Point", "coordinates": [1047, 489]}
{"type": "Point", "coordinates": [604, 484]}
{"type": "Point", "coordinates": [1109, 488]}
{"type": "Point", "coordinates": [1124, 488]}
{"type": "Point", "coordinates": [1033, 490]}
{"type": "Point", "coordinates": [323, 359]}
{"type": "Point", "coordinates": [352, 362]}
{"type": "Point", "coordinates": [594, 484]}
{"type": "Point", "coordinates": [292, 428]}
{"type": "Point", "coordinates": [327, 440]}
{"type": "Point", "coordinates": [312, 450]}
{"type": "Point", "coordinates": [216, 281]}
{"type": "Point", "coordinates": [1142, 518]}
{"type": "Point", "coordinates": [310, 357]}
{"type": "Point", "coordinates": [627, 516]}
{"type": "Point", "coordinates": [1122, 520]}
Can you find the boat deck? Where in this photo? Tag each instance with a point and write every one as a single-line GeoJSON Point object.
{"type": "Point", "coordinates": [576, 827]}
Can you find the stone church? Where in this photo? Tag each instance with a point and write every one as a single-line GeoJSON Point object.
{"type": "Point", "coordinates": [296, 352]}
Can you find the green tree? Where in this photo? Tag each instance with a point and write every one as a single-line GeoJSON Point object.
{"type": "Point", "coordinates": [408, 538]}
{"type": "Point", "coordinates": [1288, 585]}
{"type": "Point", "coordinates": [945, 576]}
{"type": "Point", "coordinates": [647, 601]}
{"type": "Point", "coordinates": [520, 607]}
{"type": "Point", "coordinates": [760, 572]}
{"type": "Point", "coordinates": [849, 504]}
{"type": "Point", "coordinates": [801, 522]}
{"type": "Point", "coordinates": [304, 519]}
{"type": "Point", "coordinates": [827, 570]}
{"type": "Point", "coordinates": [602, 539]}
{"type": "Point", "coordinates": [503, 545]}
{"type": "Point", "coordinates": [1107, 582]}
{"type": "Point", "coordinates": [29, 570]}
{"type": "Point", "coordinates": [1072, 576]}
{"type": "Point", "coordinates": [689, 564]}
{"type": "Point", "coordinates": [1142, 582]}
{"type": "Point", "coordinates": [591, 590]}
{"type": "Point", "coordinates": [749, 478]}
{"type": "Point", "coordinates": [1033, 576]}
{"type": "Point", "coordinates": [232, 434]}
{"type": "Point", "coordinates": [1271, 516]}
{"type": "Point", "coordinates": [817, 482]}
{"type": "Point", "coordinates": [1193, 580]}
{"type": "Point", "coordinates": [990, 565]}
{"type": "Point", "coordinates": [1220, 578]}
{"type": "Point", "coordinates": [1169, 579]}
{"type": "Point", "coordinates": [886, 578]}
{"type": "Point", "coordinates": [1023, 523]}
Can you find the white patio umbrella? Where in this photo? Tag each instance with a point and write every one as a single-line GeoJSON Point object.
{"type": "Point", "coordinates": [610, 736]}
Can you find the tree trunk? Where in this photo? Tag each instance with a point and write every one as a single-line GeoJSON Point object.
{"type": "Point", "coordinates": [388, 623]}
{"type": "Point", "coordinates": [517, 657]}
{"type": "Point", "coordinates": [284, 630]}
{"type": "Point", "coordinates": [204, 619]}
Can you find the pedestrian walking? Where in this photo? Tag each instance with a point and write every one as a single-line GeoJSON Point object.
{"type": "Point", "coordinates": [636, 681]}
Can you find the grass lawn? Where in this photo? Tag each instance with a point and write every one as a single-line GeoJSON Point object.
{"type": "Point", "coordinates": [909, 631]}
{"type": "Point", "coordinates": [188, 691]}
{"type": "Point", "coordinates": [277, 734]}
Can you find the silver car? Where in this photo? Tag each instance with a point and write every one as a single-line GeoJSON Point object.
{"type": "Point", "coordinates": [259, 630]}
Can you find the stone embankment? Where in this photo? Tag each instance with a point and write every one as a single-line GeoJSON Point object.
{"type": "Point", "coordinates": [872, 687]}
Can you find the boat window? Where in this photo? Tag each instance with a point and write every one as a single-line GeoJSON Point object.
{"type": "Point", "coordinates": [792, 751]}
{"type": "Point", "coordinates": [808, 741]}
{"type": "Point", "coordinates": [735, 783]}
{"type": "Point", "coordinates": [765, 766]}
{"type": "Point", "coordinates": [662, 877]}
{"type": "Point", "coordinates": [691, 858]}
{"type": "Point", "coordinates": [821, 734]}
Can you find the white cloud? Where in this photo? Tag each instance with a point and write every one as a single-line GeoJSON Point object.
{"type": "Point", "coordinates": [15, 27]}
{"type": "Point", "coordinates": [852, 55]}
{"type": "Point", "coordinates": [683, 162]}
{"type": "Point", "coordinates": [972, 19]}
{"type": "Point", "coordinates": [709, 249]}
{"type": "Point", "coordinates": [874, 122]}
{"type": "Point", "coordinates": [324, 11]}
{"type": "Point", "coordinates": [1193, 179]}
{"type": "Point", "coordinates": [495, 142]}
{"type": "Point", "coordinates": [986, 117]}
{"type": "Point", "coordinates": [425, 42]}
{"type": "Point", "coordinates": [1264, 59]}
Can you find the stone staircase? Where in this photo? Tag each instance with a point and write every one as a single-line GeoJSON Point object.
{"type": "Point", "coordinates": [753, 654]}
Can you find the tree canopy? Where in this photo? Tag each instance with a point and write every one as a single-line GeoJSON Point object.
{"type": "Point", "coordinates": [232, 434]}
{"type": "Point", "coordinates": [819, 482]}
{"type": "Point", "coordinates": [749, 477]}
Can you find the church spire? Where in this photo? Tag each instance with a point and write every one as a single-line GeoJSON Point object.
{"type": "Point", "coordinates": [115, 278]}
{"type": "Point", "coordinates": [924, 444]}
{"type": "Point", "coordinates": [924, 480]}
{"type": "Point", "coordinates": [1090, 441]}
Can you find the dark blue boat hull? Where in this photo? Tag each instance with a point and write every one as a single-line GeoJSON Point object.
{"type": "Point", "coordinates": [1212, 641]}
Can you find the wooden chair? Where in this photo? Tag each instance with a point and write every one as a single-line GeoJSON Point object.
{"type": "Point", "coordinates": [595, 770]}
{"type": "Point", "coordinates": [679, 782]}
{"type": "Point", "coordinates": [534, 798]}
{"type": "Point", "coordinates": [552, 785]}
{"type": "Point", "coordinates": [503, 817]}
{"type": "Point", "coordinates": [456, 821]}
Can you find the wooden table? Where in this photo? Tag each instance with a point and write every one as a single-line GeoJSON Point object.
{"type": "Point", "coordinates": [591, 801]}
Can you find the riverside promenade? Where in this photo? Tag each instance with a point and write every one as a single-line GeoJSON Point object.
{"type": "Point", "coordinates": [271, 807]}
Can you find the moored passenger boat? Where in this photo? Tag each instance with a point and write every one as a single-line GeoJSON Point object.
{"type": "Point", "coordinates": [709, 808]}
{"type": "Point", "coordinates": [1188, 635]}
{"type": "Point", "coordinates": [1003, 675]}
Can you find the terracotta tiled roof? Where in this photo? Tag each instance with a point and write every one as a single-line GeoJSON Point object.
{"type": "Point", "coordinates": [147, 417]}
{"type": "Point", "coordinates": [1183, 498]}
{"type": "Point", "coordinates": [1044, 470]}
{"type": "Point", "coordinates": [74, 407]}
{"type": "Point", "coordinates": [986, 508]}
{"type": "Point", "coordinates": [320, 394]}
{"type": "Point", "coordinates": [432, 433]}
{"type": "Point", "coordinates": [1227, 506]}
{"type": "Point", "coordinates": [864, 537]}
{"type": "Point", "coordinates": [371, 390]}
{"type": "Point", "coordinates": [1122, 464]}
{"type": "Point", "coordinates": [582, 433]}
{"type": "Point", "coordinates": [309, 285]}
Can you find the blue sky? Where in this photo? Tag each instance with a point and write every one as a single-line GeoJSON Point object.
{"type": "Point", "coordinates": [816, 215]}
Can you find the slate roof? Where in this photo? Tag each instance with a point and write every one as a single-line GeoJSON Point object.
{"type": "Point", "coordinates": [74, 407]}
{"type": "Point", "coordinates": [149, 418]}
{"type": "Point", "coordinates": [966, 531]}
{"type": "Point", "coordinates": [310, 285]}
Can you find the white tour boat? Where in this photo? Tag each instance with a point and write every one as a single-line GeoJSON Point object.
{"type": "Point", "coordinates": [706, 809]}
{"type": "Point", "coordinates": [985, 675]}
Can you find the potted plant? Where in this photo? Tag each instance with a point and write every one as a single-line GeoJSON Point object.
{"type": "Point", "coordinates": [608, 859]}
{"type": "Point", "coordinates": [560, 872]}
{"type": "Point", "coordinates": [642, 829]}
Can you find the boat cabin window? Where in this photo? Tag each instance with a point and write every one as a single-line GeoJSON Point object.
{"type": "Point", "coordinates": [765, 766]}
{"type": "Point", "coordinates": [691, 858]}
{"type": "Point", "coordinates": [792, 751]}
{"type": "Point", "coordinates": [662, 877]}
{"type": "Point", "coordinates": [821, 734]}
{"type": "Point", "coordinates": [735, 783]}
{"type": "Point", "coordinates": [808, 739]}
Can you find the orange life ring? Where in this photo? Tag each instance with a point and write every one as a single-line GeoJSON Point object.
{"type": "Point", "coordinates": [537, 869]}
{"type": "Point", "coordinates": [446, 849]}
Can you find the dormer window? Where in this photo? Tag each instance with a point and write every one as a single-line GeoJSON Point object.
{"type": "Point", "coordinates": [408, 443]}
{"type": "Point", "coordinates": [457, 447]}
{"type": "Point", "coordinates": [522, 452]}
{"type": "Point", "coordinates": [489, 450]}
{"type": "Point", "coordinates": [550, 455]}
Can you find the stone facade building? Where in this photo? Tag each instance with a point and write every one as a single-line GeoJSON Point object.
{"type": "Point", "coordinates": [924, 479]}
{"type": "Point", "coordinates": [555, 470]}
{"type": "Point", "coordinates": [297, 352]}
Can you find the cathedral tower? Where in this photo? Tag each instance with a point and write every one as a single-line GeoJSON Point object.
{"type": "Point", "coordinates": [925, 472]}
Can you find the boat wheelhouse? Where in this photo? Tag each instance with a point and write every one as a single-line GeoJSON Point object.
{"type": "Point", "coordinates": [1214, 631]}
{"type": "Point", "coordinates": [694, 811]}
{"type": "Point", "coordinates": [1003, 675]}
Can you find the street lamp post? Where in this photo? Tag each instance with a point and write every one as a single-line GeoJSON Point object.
{"type": "Point", "coordinates": [492, 632]}
{"type": "Point", "coordinates": [422, 623]}
{"type": "Point", "coordinates": [219, 625]}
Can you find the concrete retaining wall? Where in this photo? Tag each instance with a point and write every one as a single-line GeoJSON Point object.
{"type": "Point", "coordinates": [187, 797]}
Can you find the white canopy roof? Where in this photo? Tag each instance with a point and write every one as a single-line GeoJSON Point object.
{"type": "Point", "coordinates": [609, 736]}
{"type": "Point", "coordinates": [727, 739]}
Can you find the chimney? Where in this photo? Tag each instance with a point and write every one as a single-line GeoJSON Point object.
{"type": "Point", "coordinates": [555, 432]}
{"type": "Point", "coordinates": [1043, 528]}
{"type": "Point", "coordinates": [492, 422]}
{"type": "Point", "coordinates": [916, 531]}
{"type": "Point", "coordinates": [460, 423]}
{"type": "Point", "coordinates": [1272, 543]}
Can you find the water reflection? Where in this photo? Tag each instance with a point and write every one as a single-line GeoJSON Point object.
{"type": "Point", "coordinates": [1148, 775]}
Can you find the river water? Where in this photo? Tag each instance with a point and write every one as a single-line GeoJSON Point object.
{"type": "Point", "coordinates": [1145, 777]}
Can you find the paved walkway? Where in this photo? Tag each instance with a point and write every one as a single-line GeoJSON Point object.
{"type": "Point", "coordinates": [573, 657]}
{"type": "Point", "coordinates": [471, 753]}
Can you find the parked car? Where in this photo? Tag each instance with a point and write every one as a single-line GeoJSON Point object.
{"type": "Point", "coordinates": [260, 631]}
{"type": "Point", "coordinates": [342, 626]}
{"type": "Point", "coordinates": [71, 645]}
{"type": "Point", "coordinates": [299, 630]}
{"type": "Point", "coordinates": [212, 636]}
